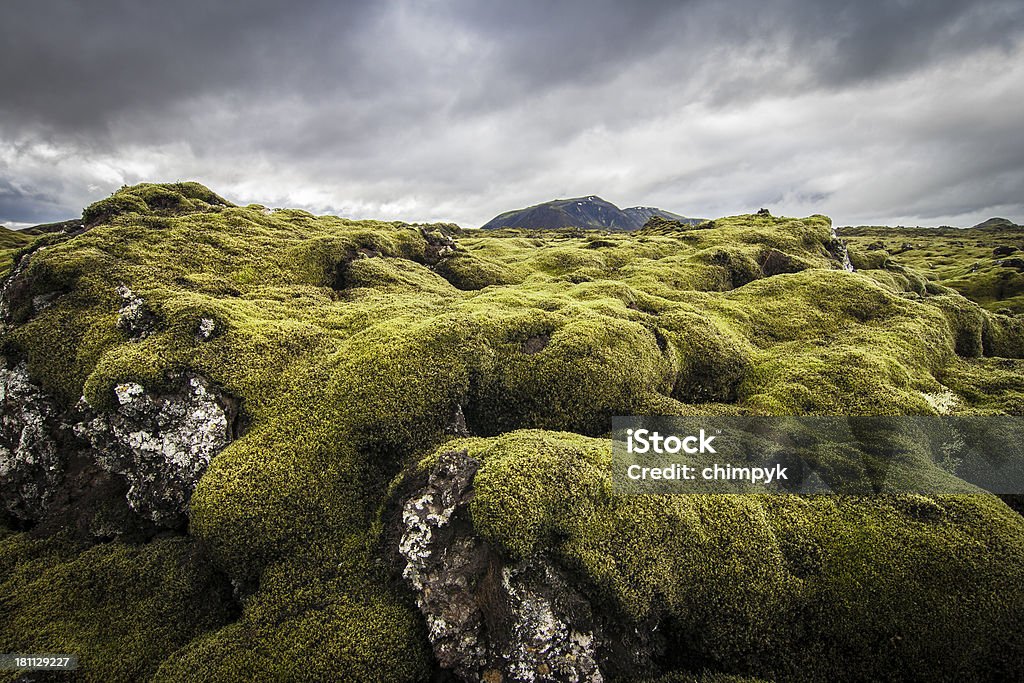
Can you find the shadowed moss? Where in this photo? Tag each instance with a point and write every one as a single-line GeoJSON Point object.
{"type": "Point", "coordinates": [122, 609]}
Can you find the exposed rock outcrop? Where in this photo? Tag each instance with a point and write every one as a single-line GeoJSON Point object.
{"type": "Point", "coordinates": [31, 464]}
{"type": "Point", "coordinates": [837, 249]}
{"type": "Point", "coordinates": [159, 445]}
{"type": "Point", "coordinates": [494, 619]}
{"type": "Point", "coordinates": [775, 262]}
{"type": "Point", "coordinates": [135, 318]}
{"type": "Point", "coordinates": [440, 245]}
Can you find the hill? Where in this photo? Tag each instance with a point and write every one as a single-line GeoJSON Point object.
{"type": "Point", "coordinates": [10, 242]}
{"type": "Point", "coordinates": [10, 239]}
{"type": "Point", "coordinates": [237, 441]}
{"type": "Point", "coordinates": [591, 213]}
{"type": "Point", "coordinates": [998, 224]}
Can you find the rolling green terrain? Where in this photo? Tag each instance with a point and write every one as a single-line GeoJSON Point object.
{"type": "Point", "coordinates": [983, 263]}
{"type": "Point", "coordinates": [350, 345]}
{"type": "Point", "coordinates": [10, 241]}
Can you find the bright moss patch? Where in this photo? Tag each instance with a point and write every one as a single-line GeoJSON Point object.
{"type": "Point", "coordinates": [351, 349]}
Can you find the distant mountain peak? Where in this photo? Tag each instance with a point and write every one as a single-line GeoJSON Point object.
{"type": "Point", "coordinates": [590, 212]}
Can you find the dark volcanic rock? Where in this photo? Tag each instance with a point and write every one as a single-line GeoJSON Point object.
{"type": "Point", "coordinates": [775, 262]}
{"type": "Point", "coordinates": [55, 463]}
{"type": "Point", "coordinates": [836, 248]}
{"type": "Point", "coordinates": [160, 444]}
{"type": "Point", "coordinates": [1004, 250]}
{"type": "Point", "coordinates": [135, 318]}
{"type": "Point", "coordinates": [440, 245]}
{"type": "Point", "coordinates": [1017, 263]}
{"type": "Point", "coordinates": [493, 619]}
{"type": "Point", "coordinates": [31, 462]}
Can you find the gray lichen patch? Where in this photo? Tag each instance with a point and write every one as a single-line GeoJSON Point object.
{"type": "Point", "coordinates": [160, 444]}
{"type": "Point", "coordinates": [31, 464]}
{"type": "Point", "coordinates": [157, 445]}
{"type": "Point", "coordinates": [134, 318]}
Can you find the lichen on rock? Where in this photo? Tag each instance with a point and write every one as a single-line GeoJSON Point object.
{"type": "Point", "coordinates": [489, 618]}
{"type": "Point", "coordinates": [31, 460]}
{"type": "Point", "coordinates": [134, 317]}
{"type": "Point", "coordinates": [161, 444]}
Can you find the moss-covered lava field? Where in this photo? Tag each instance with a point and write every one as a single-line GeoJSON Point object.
{"type": "Point", "coordinates": [339, 366]}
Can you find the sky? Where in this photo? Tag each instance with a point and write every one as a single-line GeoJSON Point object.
{"type": "Point", "coordinates": [897, 112]}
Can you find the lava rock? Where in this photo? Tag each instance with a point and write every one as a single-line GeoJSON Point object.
{"type": "Point", "coordinates": [162, 444]}
{"type": "Point", "coordinates": [134, 318]}
{"type": "Point", "coordinates": [494, 619]}
{"type": "Point", "coordinates": [775, 262]}
{"type": "Point", "coordinates": [439, 246]}
{"type": "Point", "coordinates": [31, 463]}
{"type": "Point", "coordinates": [57, 463]}
{"type": "Point", "coordinates": [1016, 263]}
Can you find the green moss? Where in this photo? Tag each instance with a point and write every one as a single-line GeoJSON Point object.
{"type": "Point", "coordinates": [351, 351]}
{"type": "Point", "coordinates": [357, 631]}
{"type": "Point", "coordinates": [963, 260]}
{"type": "Point", "coordinates": [824, 588]}
{"type": "Point", "coordinates": [122, 609]}
{"type": "Point", "coordinates": [148, 198]}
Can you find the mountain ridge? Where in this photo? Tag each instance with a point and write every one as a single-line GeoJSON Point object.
{"type": "Point", "coordinates": [589, 212]}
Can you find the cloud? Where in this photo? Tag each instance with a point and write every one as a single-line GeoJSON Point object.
{"type": "Point", "coordinates": [428, 110]}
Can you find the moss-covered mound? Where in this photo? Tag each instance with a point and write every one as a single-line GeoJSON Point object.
{"type": "Point", "coordinates": [355, 346]}
{"type": "Point", "coordinates": [807, 588]}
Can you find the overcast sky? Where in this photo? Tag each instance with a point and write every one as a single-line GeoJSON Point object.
{"type": "Point", "coordinates": [871, 112]}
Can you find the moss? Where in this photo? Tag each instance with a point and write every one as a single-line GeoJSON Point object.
{"type": "Point", "coordinates": [967, 261]}
{"type": "Point", "coordinates": [823, 588]}
{"type": "Point", "coordinates": [868, 260]}
{"type": "Point", "coordinates": [595, 367]}
{"type": "Point", "coordinates": [122, 609]}
{"type": "Point", "coordinates": [357, 631]}
{"type": "Point", "coordinates": [147, 198]}
{"type": "Point", "coordinates": [468, 272]}
{"type": "Point", "coordinates": [351, 350]}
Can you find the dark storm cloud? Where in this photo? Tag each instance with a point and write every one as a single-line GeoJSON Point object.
{"type": "Point", "coordinates": [74, 65]}
{"type": "Point", "coordinates": [28, 206]}
{"type": "Point", "coordinates": [458, 110]}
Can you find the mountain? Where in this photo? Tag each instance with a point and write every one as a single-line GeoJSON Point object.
{"type": "Point", "coordinates": [646, 213]}
{"type": "Point", "coordinates": [45, 228]}
{"type": "Point", "coordinates": [581, 212]}
{"type": "Point", "coordinates": [997, 224]}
